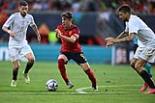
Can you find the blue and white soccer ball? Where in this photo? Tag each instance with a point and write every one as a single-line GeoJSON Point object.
{"type": "Point", "coordinates": [52, 85]}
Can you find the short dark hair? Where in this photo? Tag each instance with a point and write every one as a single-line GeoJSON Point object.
{"type": "Point", "coordinates": [23, 3]}
{"type": "Point", "coordinates": [67, 15]}
{"type": "Point", "coordinates": [124, 8]}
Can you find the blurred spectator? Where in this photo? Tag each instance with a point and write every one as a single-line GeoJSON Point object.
{"type": "Point", "coordinates": [44, 31]}
{"type": "Point", "coordinates": [3, 4]}
{"type": "Point", "coordinates": [13, 4]}
{"type": "Point", "coordinates": [152, 7]}
{"type": "Point", "coordinates": [60, 5]}
{"type": "Point", "coordinates": [3, 17]}
{"type": "Point", "coordinates": [139, 6]}
{"type": "Point", "coordinates": [37, 5]}
{"type": "Point", "coordinates": [76, 5]}
{"type": "Point", "coordinates": [40, 5]}
{"type": "Point", "coordinates": [89, 5]}
{"type": "Point", "coordinates": [103, 8]}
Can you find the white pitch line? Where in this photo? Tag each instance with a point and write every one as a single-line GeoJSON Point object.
{"type": "Point", "coordinates": [81, 90]}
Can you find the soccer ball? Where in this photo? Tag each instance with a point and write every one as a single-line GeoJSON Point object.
{"type": "Point", "coordinates": [52, 85]}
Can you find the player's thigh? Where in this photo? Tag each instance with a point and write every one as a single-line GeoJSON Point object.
{"type": "Point", "coordinates": [27, 52]}
{"type": "Point", "coordinates": [140, 64]}
{"type": "Point", "coordinates": [16, 64]}
{"type": "Point", "coordinates": [63, 56]}
{"type": "Point", "coordinates": [132, 62]}
{"type": "Point", "coordinates": [14, 54]}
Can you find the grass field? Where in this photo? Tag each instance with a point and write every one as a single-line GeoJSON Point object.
{"type": "Point", "coordinates": [117, 84]}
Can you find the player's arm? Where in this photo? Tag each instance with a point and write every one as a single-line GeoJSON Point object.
{"type": "Point", "coordinates": [109, 40]}
{"type": "Point", "coordinates": [11, 33]}
{"type": "Point", "coordinates": [7, 24]}
{"type": "Point", "coordinates": [57, 33]}
{"type": "Point", "coordinates": [34, 27]}
{"type": "Point", "coordinates": [71, 39]}
{"type": "Point", "coordinates": [129, 37]}
{"type": "Point", "coordinates": [122, 34]}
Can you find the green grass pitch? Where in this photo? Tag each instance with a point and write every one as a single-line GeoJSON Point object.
{"type": "Point", "coordinates": [117, 84]}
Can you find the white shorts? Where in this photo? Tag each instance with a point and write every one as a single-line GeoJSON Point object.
{"type": "Point", "coordinates": [18, 53]}
{"type": "Point", "coordinates": [145, 53]}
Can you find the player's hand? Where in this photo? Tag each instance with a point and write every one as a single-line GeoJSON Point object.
{"type": "Point", "coordinates": [58, 33]}
{"type": "Point", "coordinates": [109, 41]}
{"type": "Point", "coordinates": [11, 33]}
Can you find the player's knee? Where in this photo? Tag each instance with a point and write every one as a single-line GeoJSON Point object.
{"type": "Point", "coordinates": [61, 61]}
{"type": "Point", "coordinates": [31, 59]}
{"type": "Point", "coordinates": [138, 66]}
{"type": "Point", "coordinates": [132, 64]}
{"type": "Point", "coordinates": [16, 66]}
{"type": "Point", "coordinates": [61, 64]}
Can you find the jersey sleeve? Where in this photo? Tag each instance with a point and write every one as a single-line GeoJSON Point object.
{"type": "Point", "coordinates": [58, 27]}
{"type": "Point", "coordinates": [133, 26]}
{"type": "Point", "coordinates": [76, 32]}
{"type": "Point", "coordinates": [9, 21]}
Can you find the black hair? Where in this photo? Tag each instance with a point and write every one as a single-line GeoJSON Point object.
{"type": "Point", "coordinates": [67, 15]}
{"type": "Point", "coordinates": [23, 3]}
{"type": "Point", "coordinates": [124, 9]}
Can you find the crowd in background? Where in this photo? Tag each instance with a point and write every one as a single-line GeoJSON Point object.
{"type": "Point", "coordinates": [140, 6]}
{"type": "Point", "coordinates": [103, 8]}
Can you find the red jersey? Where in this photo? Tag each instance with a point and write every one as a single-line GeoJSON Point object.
{"type": "Point", "coordinates": [68, 46]}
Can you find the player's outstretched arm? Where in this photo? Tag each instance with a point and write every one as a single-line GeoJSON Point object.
{"type": "Point", "coordinates": [111, 40]}
{"type": "Point", "coordinates": [122, 34]}
{"type": "Point", "coordinates": [129, 37]}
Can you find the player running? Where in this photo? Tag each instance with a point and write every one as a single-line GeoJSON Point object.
{"type": "Point", "coordinates": [135, 26]}
{"type": "Point", "coordinates": [16, 26]}
{"type": "Point", "coordinates": [71, 49]}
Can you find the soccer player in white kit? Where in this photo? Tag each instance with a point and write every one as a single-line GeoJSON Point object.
{"type": "Point", "coordinates": [16, 26]}
{"type": "Point", "coordinates": [143, 54]}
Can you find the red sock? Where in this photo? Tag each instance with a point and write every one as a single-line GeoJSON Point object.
{"type": "Point", "coordinates": [91, 76]}
{"type": "Point", "coordinates": [62, 69]}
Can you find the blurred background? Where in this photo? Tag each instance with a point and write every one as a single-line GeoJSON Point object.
{"type": "Point", "coordinates": [95, 18]}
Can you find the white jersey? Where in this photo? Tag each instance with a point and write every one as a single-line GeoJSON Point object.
{"type": "Point", "coordinates": [18, 24]}
{"type": "Point", "coordinates": [138, 42]}
{"type": "Point", "coordinates": [145, 35]}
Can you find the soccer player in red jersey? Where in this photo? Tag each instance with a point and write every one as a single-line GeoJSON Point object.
{"type": "Point", "coordinates": [71, 49]}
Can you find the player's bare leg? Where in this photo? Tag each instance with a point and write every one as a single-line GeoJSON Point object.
{"type": "Point", "coordinates": [61, 66]}
{"type": "Point", "coordinates": [16, 66]}
{"type": "Point", "coordinates": [90, 75]}
{"type": "Point", "coordinates": [29, 65]}
{"type": "Point", "coordinates": [138, 66]}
